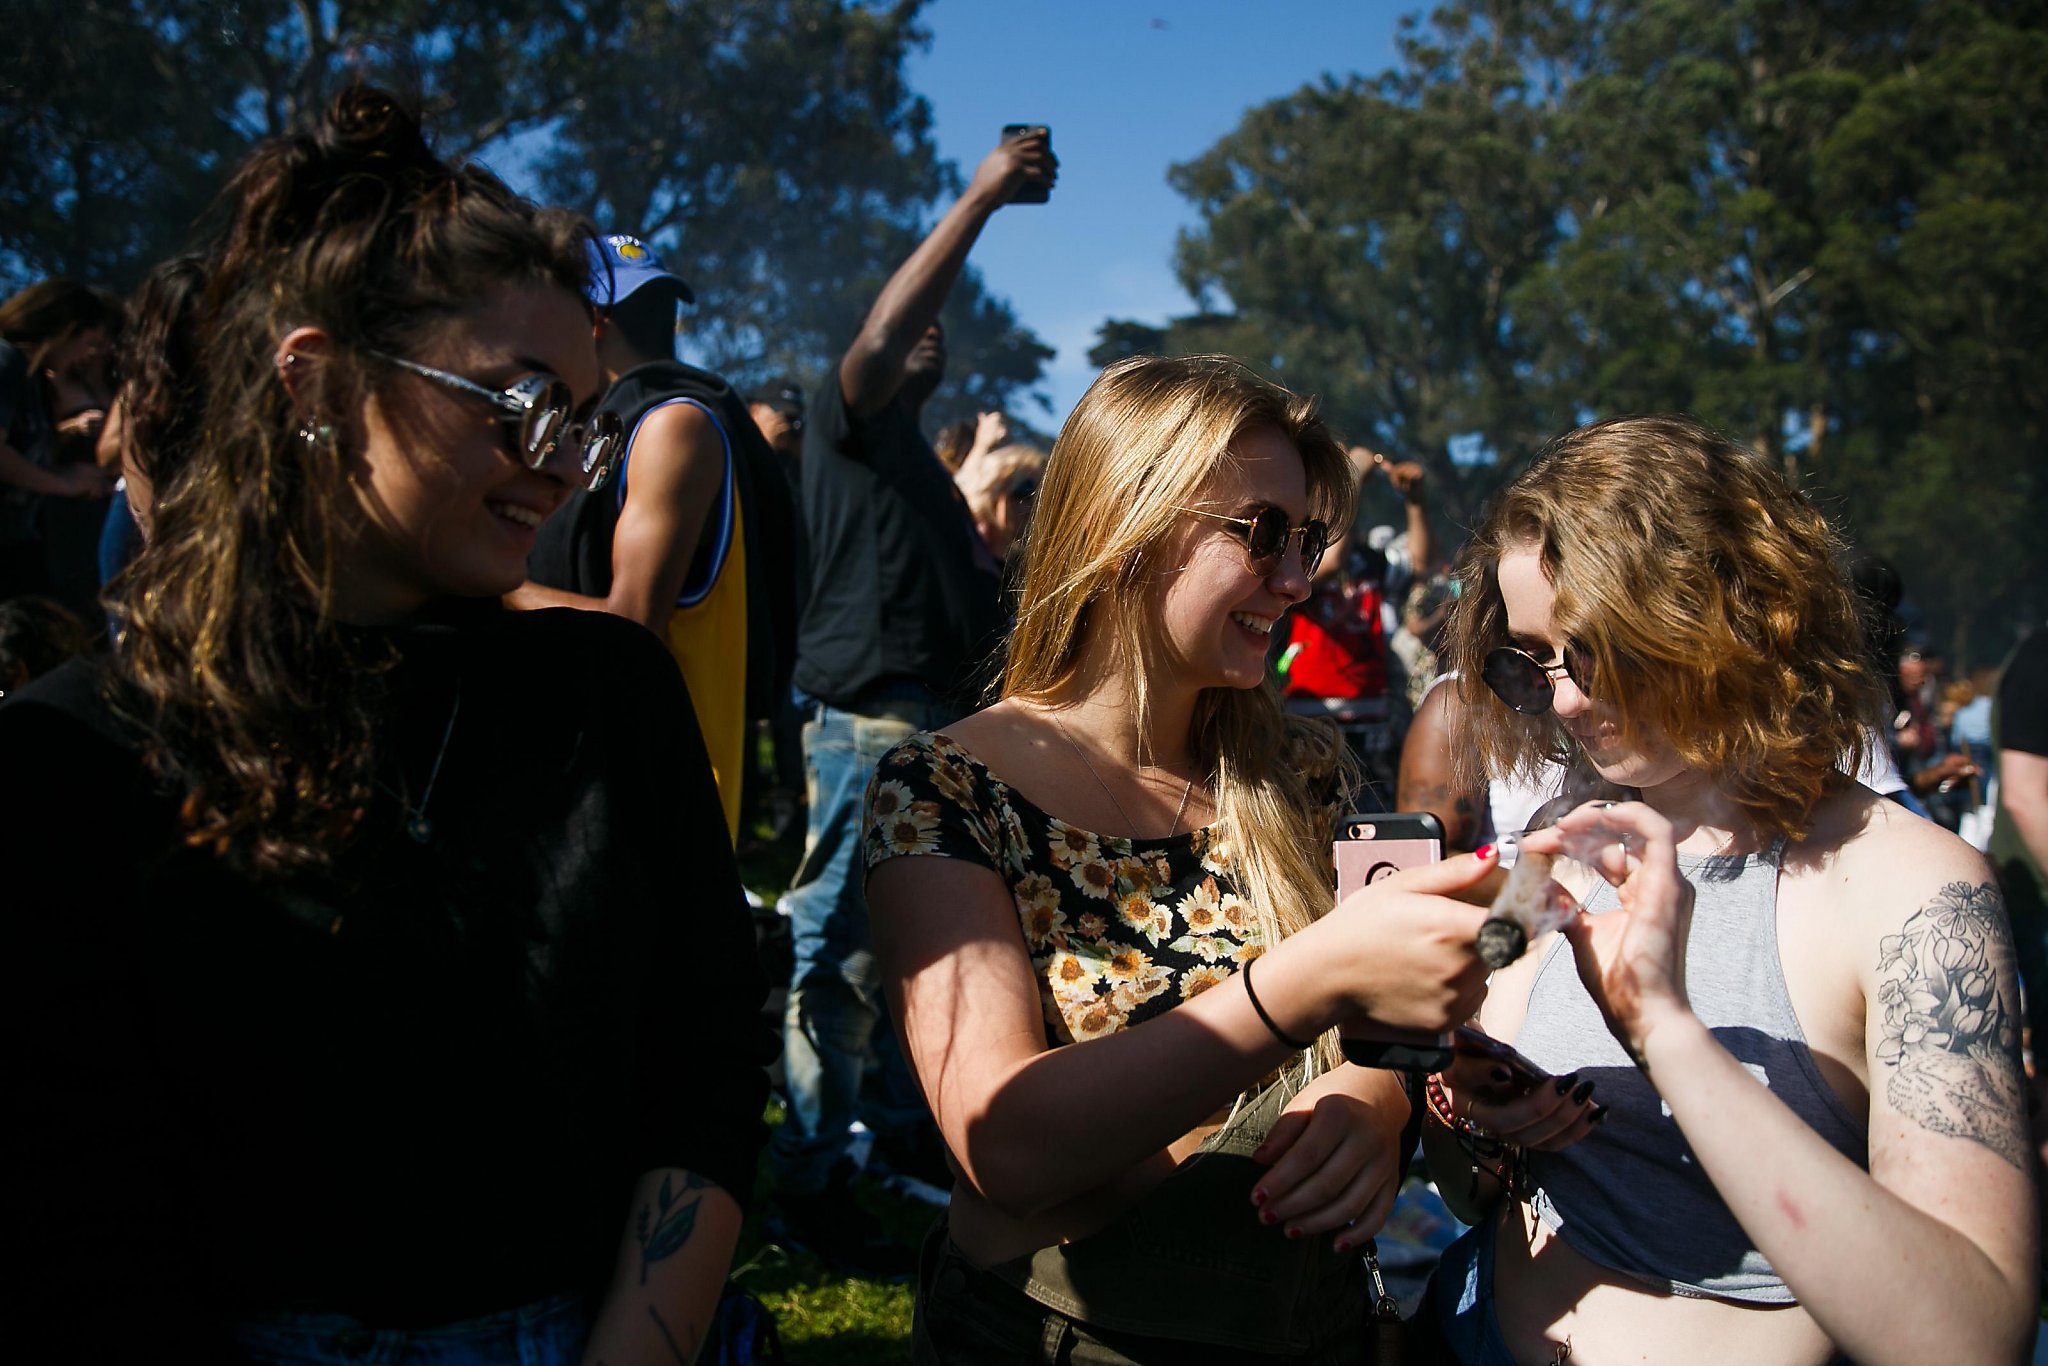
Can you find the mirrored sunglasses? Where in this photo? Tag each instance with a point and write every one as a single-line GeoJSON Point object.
{"type": "Point", "coordinates": [539, 416]}
{"type": "Point", "coordinates": [1265, 536]}
{"type": "Point", "coordinates": [1529, 686]}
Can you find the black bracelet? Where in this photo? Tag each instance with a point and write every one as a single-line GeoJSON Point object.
{"type": "Point", "coordinates": [1265, 1019]}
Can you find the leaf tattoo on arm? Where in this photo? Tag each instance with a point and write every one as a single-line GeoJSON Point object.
{"type": "Point", "coordinates": [664, 1227]}
{"type": "Point", "coordinates": [1951, 1021]}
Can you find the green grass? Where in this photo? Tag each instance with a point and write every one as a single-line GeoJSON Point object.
{"type": "Point", "coordinates": [825, 1319]}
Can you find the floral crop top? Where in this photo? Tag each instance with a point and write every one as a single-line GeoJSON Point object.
{"type": "Point", "coordinates": [1119, 930]}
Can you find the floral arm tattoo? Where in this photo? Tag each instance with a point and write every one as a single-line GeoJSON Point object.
{"type": "Point", "coordinates": [663, 1228]}
{"type": "Point", "coordinates": [1951, 1021]}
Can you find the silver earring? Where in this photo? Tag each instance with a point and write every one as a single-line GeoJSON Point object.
{"type": "Point", "coordinates": [315, 434]}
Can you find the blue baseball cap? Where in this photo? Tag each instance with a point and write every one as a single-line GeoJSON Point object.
{"type": "Point", "coordinates": [621, 264]}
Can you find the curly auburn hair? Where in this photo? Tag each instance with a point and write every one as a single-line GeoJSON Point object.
{"type": "Point", "coordinates": [1705, 592]}
{"type": "Point", "coordinates": [265, 713]}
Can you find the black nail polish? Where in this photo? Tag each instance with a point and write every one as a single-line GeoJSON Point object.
{"type": "Point", "coordinates": [1579, 1096]}
{"type": "Point", "coordinates": [1564, 1083]}
{"type": "Point", "coordinates": [1599, 1115]}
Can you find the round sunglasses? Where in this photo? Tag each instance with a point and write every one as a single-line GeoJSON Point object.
{"type": "Point", "coordinates": [539, 415]}
{"type": "Point", "coordinates": [1529, 686]}
{"type": "Point", "coordinates": [1265, 535]}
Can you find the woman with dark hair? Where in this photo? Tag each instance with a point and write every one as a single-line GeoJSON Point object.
{"type": "Point", "coordinates": [1159, 1159]}
{"type": "Point", "coordinates": [55, 383]}
{"type": "Point", "coordinates": [359, 1008]}
{"type": "Point", "coordinates": [1797, 999]}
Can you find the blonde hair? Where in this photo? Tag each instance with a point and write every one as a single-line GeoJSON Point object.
{"type": "Point", "coordinates": [1705, 592]}
{"type": "Point", "coordinates": [1150, 434]}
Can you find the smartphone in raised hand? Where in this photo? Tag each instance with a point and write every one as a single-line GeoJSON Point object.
{"type": "Point", "coordinates": [1033, 191]}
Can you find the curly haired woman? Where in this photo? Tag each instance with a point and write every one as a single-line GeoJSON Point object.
{"type": "Point", "coordinates": [355, 1011]}
{"type": "Point", "coordinates": [1796, 999]}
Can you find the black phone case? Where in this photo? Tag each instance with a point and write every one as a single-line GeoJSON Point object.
{"type": "Point", "coordinates": [1033, 192]}
{"type": "Point", "coordinates": [1523, 1076]}
{"type": "Point", "coordinates": [1391, 825]}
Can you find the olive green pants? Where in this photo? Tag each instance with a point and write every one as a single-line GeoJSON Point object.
{"type": "Point", "coordinates": [1187, 1276]}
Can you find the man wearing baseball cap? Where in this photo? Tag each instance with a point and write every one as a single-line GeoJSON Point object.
{"type": "Point", "coordinates": [674, 539]}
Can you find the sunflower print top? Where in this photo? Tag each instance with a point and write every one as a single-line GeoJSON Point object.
{"type": "Point", "coordinates": [1119, 930]}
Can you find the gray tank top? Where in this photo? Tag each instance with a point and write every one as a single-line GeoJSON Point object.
{"type": "Point", "coordinates": [1631, 1197]}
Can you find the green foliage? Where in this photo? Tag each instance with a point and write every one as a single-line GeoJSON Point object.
{"type": "Point", "coordinates": [1818, 225]}
{"type": "Point", "coordinates": [108, 149]}
{"type": "Point", "coordinates": [1120, 339]}
{"type": "Point", "coordinates": [770, 148]}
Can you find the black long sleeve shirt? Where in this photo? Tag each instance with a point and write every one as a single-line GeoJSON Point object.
{"type": "Point", "coordinates": [415, 1089]}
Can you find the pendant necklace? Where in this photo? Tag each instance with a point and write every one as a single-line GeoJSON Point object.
{"type": "Point", "coordinates": [1129, 824]}
{"type": "Point", "coordinates": [416, 823]}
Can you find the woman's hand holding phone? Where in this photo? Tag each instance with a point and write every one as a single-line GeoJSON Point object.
{"type": "Point", "coordinates": [1400, 950]}
{"type": "Point", "coordinates": [1511, 1098]}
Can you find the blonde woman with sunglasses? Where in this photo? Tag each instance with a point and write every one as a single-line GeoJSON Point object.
{"type": "Point", "coordinates": [1796, 1000]}
{"type": "Point", "coordinates": [1103, 916]}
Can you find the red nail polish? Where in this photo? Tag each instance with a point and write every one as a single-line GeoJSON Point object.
{"type": "Point", "coordinates": [1343, 1246]}
{"type": "Point", "coordinates": [1293, 1231]}
{"type": "Point", "coordinates": [1484, 851]}
{"type": "Point", "coordinates": [1268, 1217]}
{"type": "Point", "coordinates": [1259, 1196]}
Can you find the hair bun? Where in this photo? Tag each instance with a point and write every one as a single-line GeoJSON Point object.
{"type": "Point", "coordinates": [364, 123]}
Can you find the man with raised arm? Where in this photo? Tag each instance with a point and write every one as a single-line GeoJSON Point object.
{"type": "Point", "coordinates": [903, 617]}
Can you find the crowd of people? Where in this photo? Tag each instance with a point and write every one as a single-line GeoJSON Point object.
{"type": "Point", "coordinates": [389, 626]}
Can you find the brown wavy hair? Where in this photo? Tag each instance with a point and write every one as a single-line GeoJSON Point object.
{"type": "Point", "coordinates": [264, 711]}
{"type": "Point", "coordinates": [1705, 591]}
{"type": "Point", "coordinates": [158, 359]}
{"type": "Point", "coordinates": [44, 316]}
{"type": "Point", "coordinates": [1150, 434]}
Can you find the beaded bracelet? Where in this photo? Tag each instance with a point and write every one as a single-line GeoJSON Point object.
{"type": "Point", "coordinates": [1505, 1162]}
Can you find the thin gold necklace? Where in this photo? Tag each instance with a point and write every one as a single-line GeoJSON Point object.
{"type": "Point", "coordinates": [1129, 824]}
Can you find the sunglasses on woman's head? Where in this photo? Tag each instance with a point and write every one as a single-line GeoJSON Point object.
{"type": "Point", "coordinates": [1265, 535]}
{"type": "Point", "coordinates": [539, 415]}
{"type": "Point", "coordinates": [1529, 686]}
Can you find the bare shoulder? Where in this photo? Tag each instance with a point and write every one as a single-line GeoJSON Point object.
{"type": "Point", "coordinates": [1008, 737]}
{"type": "Point", "coordinates": [987, 723]}
{"type": "Point", "coordinates": [683, 428]}
{"type": "Point", "coordinates": [1934, 953]}
{"type": "Point", "coordinates": [1879, 863]}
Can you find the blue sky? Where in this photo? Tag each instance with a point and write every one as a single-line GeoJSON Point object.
{"type": "Point", "coordinates": [1129, 88]}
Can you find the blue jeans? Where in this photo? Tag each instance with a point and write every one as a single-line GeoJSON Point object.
{"type": "Point", "coordinates": [548, 1332]}
{"type": "Point", "coordinates": [1460, 1299]}
{"type": "Point", "coordinates": [829, 1034]}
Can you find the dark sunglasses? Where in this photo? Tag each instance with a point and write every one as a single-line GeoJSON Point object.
{"type": "Point", "coordinates": [1526, 685]}
{"type": "Point", "coordinates": [1266, 535]}
{"type": "Point", "coordinates": [539, 416]}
